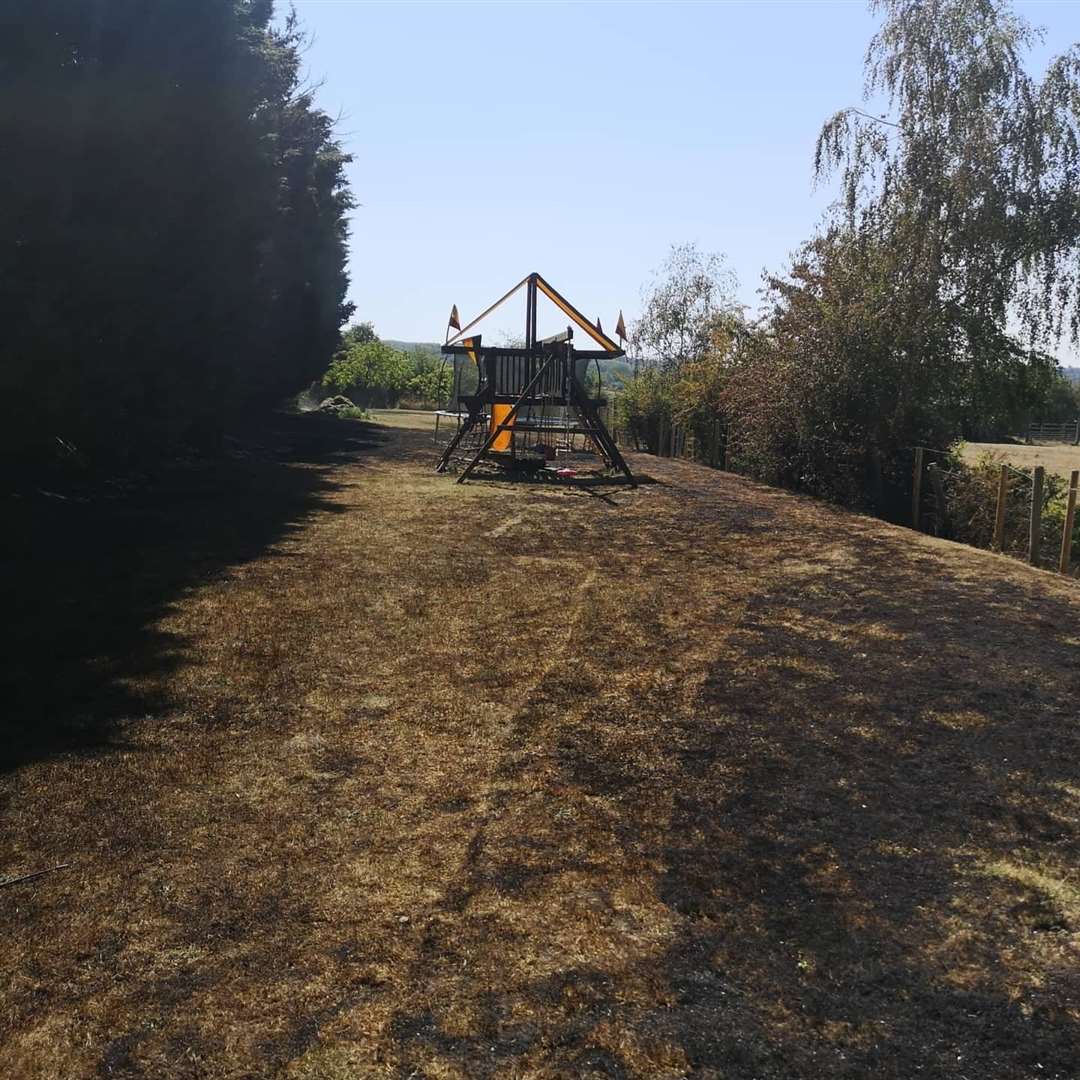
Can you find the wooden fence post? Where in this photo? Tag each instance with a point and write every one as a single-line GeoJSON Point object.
{"type": "Point", "coordinates": [934, 472]}
{"type": "Point", "coordinates": [1076, 435]}
{"type": "Point", "coordinates": [1067, 529]}
{"type": "Point", "coordinates": [916, 487]}
{"type": "Point", "coordinates": [1035, 530]}
{"type": "Point", "coordinates": [999, 514]}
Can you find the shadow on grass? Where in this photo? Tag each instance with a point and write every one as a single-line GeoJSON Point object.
{"type": "Point", "coordinates": [858, 793]}
{"type": "Point", "coordinates": [536, 475]}
{"type": "Point", "coordinates": [84, 579]}
{"type": "Point", "coordinates": [863, 825]}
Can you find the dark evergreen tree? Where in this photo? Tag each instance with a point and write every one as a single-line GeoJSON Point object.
{"type": "Point", "coordinates": [173, 239]}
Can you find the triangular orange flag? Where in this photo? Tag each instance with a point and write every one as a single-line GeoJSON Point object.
{"type": "Point", "coordinates": [455, 321]}
{"type": "Point", "coordinates": [620, 327]}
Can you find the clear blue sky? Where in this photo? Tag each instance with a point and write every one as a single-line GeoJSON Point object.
{"type": "Point", "coordinates": [581, 140]}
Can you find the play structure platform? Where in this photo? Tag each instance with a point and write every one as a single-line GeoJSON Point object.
{"type": "Point", "coordinates": [532, 399]}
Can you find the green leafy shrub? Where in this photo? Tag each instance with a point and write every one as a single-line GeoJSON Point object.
{"type": "Point", "coordinates": [971, 506]}
{"type": "Point", "coordinates": [431, 382]}
{"type": "Point", "coordinates": [644, 405]}
{"type": "Point", "coordinates": [376, 375]}
{"type": "Point", "coordinates": [371, 373]}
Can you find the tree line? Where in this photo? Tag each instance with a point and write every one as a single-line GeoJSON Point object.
{"type": "Point", "coordinates": [173, 237]}
{"type": "Point", "coordinates": [928, 304]}
{"type": "Point", "coordinates": [374, 374]}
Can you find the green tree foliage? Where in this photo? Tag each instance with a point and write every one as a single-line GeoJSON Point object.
{"type": "Point", "coordinates": [376, 375]}
{"type": "Point", "coordinates": [836, 386]}
{"type": "Point", "coordinates": [959, 221]}
{"type": "Point", "coordinates": [683, 339]}
{"type": "Point", "coordinates": [645, 406]}
{"type": "Point", "coordinates": [848, 374]}
{"type": "Point", "coordinates": [690, 295]}
{"type": "Point", "coordinates": [371, 373]}
{"type": "Point", "coordinates": [359, 334]}
{"type": "Point", "coordinates": [173, 239]}
{"type": "Point", "coordinates": [971, 173]}
{"type": "Point", "coordinates": [1062, 402]}
{"type": "Point", "coordinates": [700, 387]}
{"type": "Point", "coordinates": [431, 381]}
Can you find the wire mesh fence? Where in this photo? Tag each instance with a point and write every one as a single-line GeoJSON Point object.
{"type": "Point", "coordinates": [992, 504]}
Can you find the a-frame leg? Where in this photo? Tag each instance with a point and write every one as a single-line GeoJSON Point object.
{"type": "Point", "coordinates": [599, 432]}
{"type": "Point", "coordinates": [463, 430]}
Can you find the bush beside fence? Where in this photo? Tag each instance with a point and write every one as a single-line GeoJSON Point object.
{"type": "Point", "coordinates": [990, 504]}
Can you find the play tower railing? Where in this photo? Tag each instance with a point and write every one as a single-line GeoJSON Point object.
{"type": "Point", "coordinates": [520, 388]}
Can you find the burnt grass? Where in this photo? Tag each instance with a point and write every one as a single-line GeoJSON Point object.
{"type": "Point", "coordinates": [362, 773]}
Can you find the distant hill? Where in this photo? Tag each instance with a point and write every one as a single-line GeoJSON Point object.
{"type": "Point", "coordinates": [413, 346]}
{"type": "Point", "coordinates": [616, 372]}
{"type": "Point", "coordinates": [1071, 373]}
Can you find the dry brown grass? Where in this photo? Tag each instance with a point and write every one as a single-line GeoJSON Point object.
{"type": "Point", "coordinates": [1057, 458]}
{"type": "Point", "coordinates": [411, 419]}
{"type": "Point", "coordinates": [424, 780]}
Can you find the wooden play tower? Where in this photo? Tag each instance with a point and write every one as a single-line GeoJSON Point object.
{"type": "Point", "coordinates": [528, 394]}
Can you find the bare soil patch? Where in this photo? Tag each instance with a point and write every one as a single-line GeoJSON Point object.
{"type": "Point", "coordinates": [367, 774]}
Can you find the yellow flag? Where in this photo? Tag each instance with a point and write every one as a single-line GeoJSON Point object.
{"type": "Point", "coordinates": [620, 327]}
{"type": "Point", "coordinates": [455, 321]}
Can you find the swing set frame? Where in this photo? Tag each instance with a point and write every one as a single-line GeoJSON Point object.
{"type": "Point", "coordinates": [517, 380]}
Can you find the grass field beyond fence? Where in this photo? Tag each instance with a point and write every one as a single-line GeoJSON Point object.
{"type": "Point", "coordinates": [1058, 458]}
